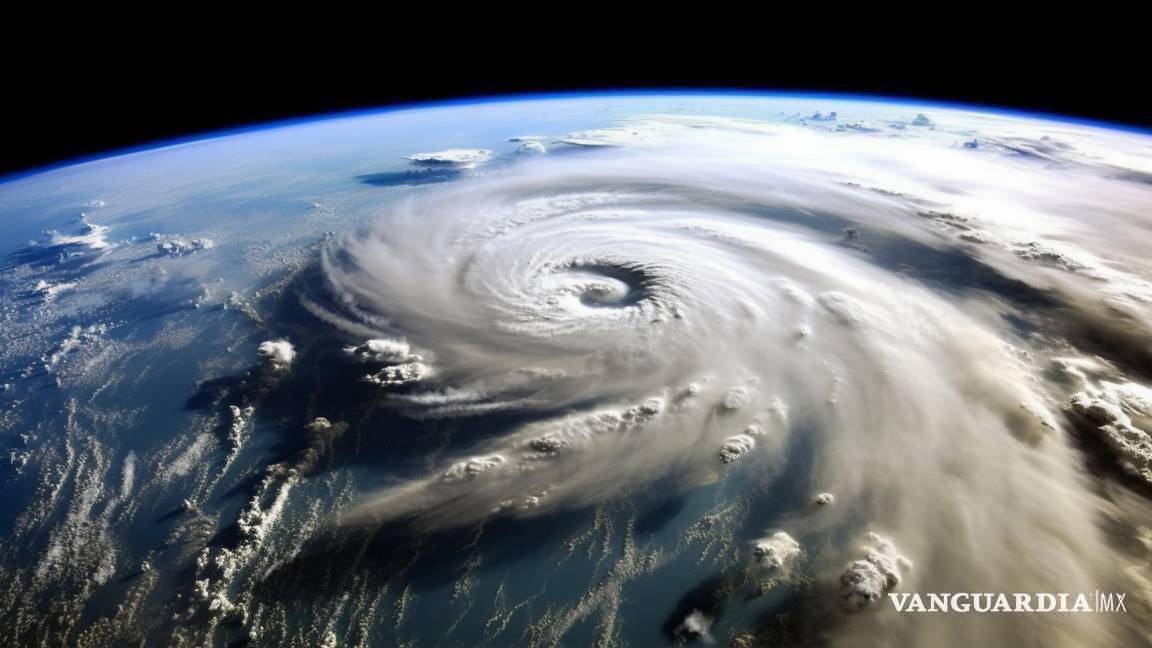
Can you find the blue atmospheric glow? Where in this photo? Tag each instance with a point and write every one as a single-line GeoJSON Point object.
{"type": "Point", "coordinates": [669, 92]}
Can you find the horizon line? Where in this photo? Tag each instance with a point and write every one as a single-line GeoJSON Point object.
{"type": "Point", "coordinates": [495, 98]}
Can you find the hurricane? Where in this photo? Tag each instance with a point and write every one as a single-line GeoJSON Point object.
{"type": "Point", "coordinates": [671, 310]}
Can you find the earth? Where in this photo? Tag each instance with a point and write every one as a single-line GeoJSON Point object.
{"type": "Point", "coordinates": [619, 370]}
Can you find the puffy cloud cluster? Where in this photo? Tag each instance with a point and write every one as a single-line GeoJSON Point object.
{"type": "Point", "coordinates": [697, 624]}
{"type": "Point", "coordinates": [576, 431]}
{"type": "Point", "coordinates": [1050, 255]}
{"type": "Point", "coordinates": [1121, 415]}
{"type": "Point", "coordinates": [471, 468]}
{"type": "Point", "coordinates": [777, 552]}
{"type": "Point", "coordinates": [49, 290]}
{"type": "Point", "coordinates": [90, 235]}
{"type": "Point", "coordinates": [922, 120]}
{"type": "Point", "coordinates": [735, 447]}
{"type": "Point", "coordinates": [525, 472]}
{"type": "Point", "coordinates": [531, 147]}
{"type": "Point", "coordinates": [179, 246]}
{"type": "Point", "coordinates": [404, 366]}
{"type": "Point", "coordinates": [401, 374]}
{"type": "Point", "coordinates": [384, 351]}
{"type": "Point", "coordinates": [239, 422]}
{"type": "Point", "coordinates": [736, 398]}
{"type": "Point", "coordinates": [319, 436]}
{"type": "Point", "coordinates": [867, 580]}
{"type": "Point", "coordinates": [78, 339]}
{"type": "Point", "coordinates": [459, 157]}
{"type": "Point", "coordinates": [276, 354]}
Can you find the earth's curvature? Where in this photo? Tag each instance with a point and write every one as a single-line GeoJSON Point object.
{"type": "Point", "coordinates": [592, 370]}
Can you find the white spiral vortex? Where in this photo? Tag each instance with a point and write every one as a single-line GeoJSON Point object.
{"type": "Point", "coordinates": [617, 286]}
{"type": "Point", "coordinates": [687, 310]}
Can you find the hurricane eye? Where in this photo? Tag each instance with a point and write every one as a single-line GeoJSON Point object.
{"type": "Point", "coordinates": [605, 286]}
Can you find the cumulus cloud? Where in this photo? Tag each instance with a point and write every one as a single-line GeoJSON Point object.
{"type": "Point", "coordinates": [78, 339]}
{"type": "Point", "coordinates": [384, 351]}
{"type": "Point", "coordinates": [458, 157]}
{"type": "Point", "coordinates": [179, 246]}
{"type": "Point", "coordinates": [401, 374]}
{"type": "Point", "coordinates": [736, 446]}
{"type": "Point", "coordinates": [1121, 416]}
{"type": "Point", "coordinates": [922, 120]}
{"type": "Point", "coordinates": [777, 552]}
{"type": "Point", "coordinates": [90, 235]}
{"type": "Point", "coordinates": [472, 468]}
{"type": "Point", "coordinates": [318, 439]}
{"type": "Point", "coordinates": [277, 354]}
{"type": "Point", "coordinates": [697, 624]}
{"type": "Point", "coordinates": [526, 473]}
{"type": "Point", "coordinates": [867, 580]}
{"type": "Point", "coordinates": [531, 147]}
{"type": "Point", "coordinates": [49, 290]}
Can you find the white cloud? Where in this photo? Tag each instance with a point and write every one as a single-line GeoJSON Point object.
{"type": "Point", "coordinates": [401, 374]}
{"type": "Point", "coordinates": [50, 290]}
{"type": "Point", "coordinates": [697, 624]}
{"type": "Point", "coordinates": [179, 246]}
{"type": "Point", "coordinates": [384, 351]}
{"type": "Point", "coordinates": [90, 235]}
{"type": "Point", "coordinates": [777, 552]}
{"type": "Point", "coordinates": [278, 354]}
{"type": "Point", "coordinates": [1121, 415]}
{"type": "Point", "coordinates": [867, 580]}
{"type": "Point", "coordinates": [531, 148]}
{"type": "Point", "coordinates": [472, 468]}
{"type": "Point", "coordinates": [735, 447]}
{"type": "Point", "coordinates": [458, 157]}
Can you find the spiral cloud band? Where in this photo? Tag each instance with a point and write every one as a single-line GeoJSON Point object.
{"type": "Point", "coordinates": [679, 296]}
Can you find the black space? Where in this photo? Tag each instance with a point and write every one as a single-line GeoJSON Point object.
{"type": "Point", "coordinates": [98, 99]}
